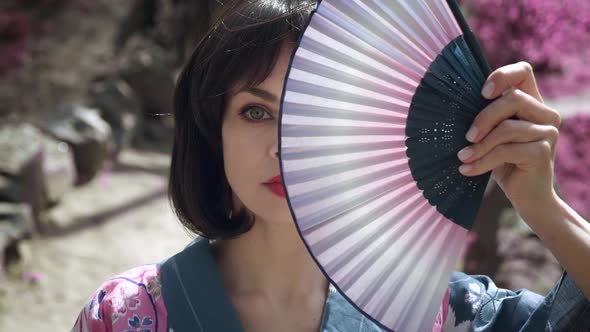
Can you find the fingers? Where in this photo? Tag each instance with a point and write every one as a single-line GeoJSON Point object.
{"type": "Point", "coordinates": [519, 75]}
{"type": "Point", "coordinates": [509, 131]}
{"type": "Point", "coordinates": [514, 103]}
{"type": "Point", "coordinates": [523, 155]}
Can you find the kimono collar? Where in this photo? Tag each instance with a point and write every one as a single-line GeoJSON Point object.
{"type": "Point", "coordinates": [196, 299]}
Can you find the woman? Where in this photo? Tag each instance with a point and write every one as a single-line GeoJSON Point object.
{"type": "Point", "coordinates": [255, 273]}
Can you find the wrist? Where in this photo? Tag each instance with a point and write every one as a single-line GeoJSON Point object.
{"type": "Point", "coordinates": [541, 213]}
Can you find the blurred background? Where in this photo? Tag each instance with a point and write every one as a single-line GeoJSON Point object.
{"type": "Point", "coordinates": [85, 136]}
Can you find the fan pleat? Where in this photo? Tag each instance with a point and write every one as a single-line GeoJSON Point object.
{"type": "Point", "coordinates": [338, 87]}
{"type": "Point", "coordinates": [428, 169]}
{"type": "Point", "coordinates": [389, 31]}
{"type": "Point", "coordinates": [362, 220]}
{"type": "Point", "coordinates": [320, 131]}
{"type": "Point", "coordinates": [412, 281]}
{"type": "Point", "coordinates": [402, 288]}
{"type": "Point", "coordinates": [331, 93]}
{"type": "Point", "coordinates": [370, 264]}
{"type": "Point", "coordinates": [339, 189]}
{"type": "Point", "coordinates": [370, 61]}
{"type": "Point", "coordinates": [314, 173]}
{"type": "Point", "coordinates": [443, 13]}
{"type": "Point", "coordinates": [435, 26]}
{"type": "Point", "coordinates": [458, 62]}
{"type": "Point", "coordinates": [349, 66]}
{"type": "Point", "coordinates": [439, 78]}
{"type": "Point", "coordinates": [356, 247]}
{"type": "Point", "coordinates": [309, 152]}
{"type": "Point", "coordinates": [342, 74]}
{"type": "Point", "coordinates": [462, 191]}
{"type": "Point", "coordinates": [329, 216]}
{"type": "Point", "coordinates": [399, 52]}
{"type": "Point", "coordinates": [404, 23]}
{"type": "Point", "coordinates": [433, 282]}
{"type": "Point", "coordinates": [431, 106]}
{"type": "Point", "coordinates": [446, 90]}
{"type": "Point", "coordinates": [393, 265]}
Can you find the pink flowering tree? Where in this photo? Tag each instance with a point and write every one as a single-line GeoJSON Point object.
{"type": "Point", "coordinates": [572, 163]}
{"type": "Point", "coordinates": [552, 35]}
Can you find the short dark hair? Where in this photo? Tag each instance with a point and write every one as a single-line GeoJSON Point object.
{"type": "Point", "coordinates": [242, 45]}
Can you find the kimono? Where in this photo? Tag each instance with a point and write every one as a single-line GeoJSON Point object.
{"type": "Point", "coordinates": [185, 293]}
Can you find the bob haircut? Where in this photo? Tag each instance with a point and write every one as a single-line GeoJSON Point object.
{"type": "Point", "coordinates": [241, 46]}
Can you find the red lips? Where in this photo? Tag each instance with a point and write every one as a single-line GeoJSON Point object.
{"type": "Point", "coordinates": [276, 179]}
{"type": "Point", "coordinates": [275, 185]}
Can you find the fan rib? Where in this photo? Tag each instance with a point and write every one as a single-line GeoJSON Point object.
{"type": "Point", "coordinates": [397, 287]}
{"type": "Point", "coordinates": [427, 106]}
{"type": "Point", "coordinates": [435, 282]}
{"type": "Point", "coordinates": [402, 246]}
{"type": "Point", "coordinates": [406, 39]}
{"type": "Point", "coordinates": [300, 201]}
{"type": "Point", "coordinates": [371, 83]}
{"type": "Point", "coordinates": [459, 60]}
{"type": "Point", "coordinates": [416, 279]}
{"type": "Point", "coordinates": [361, 221]}
{"type": "Point", "coordinates": [371, 66]}
{"type": "Point", "coordinates": [340, 87]}
{"type": "Point", "coordinates": [314, 173]}
{"type": "Point", "coordinates": [363, 279]}
{"type": "Point", "coordinates": [309, 152]}
{"type": "Point", "coordinates": [434, 25]}
{"type": "Point", "coordinates": [329, 217]}
{"type": "Point", "coordinates": [329, 93]}
{"type": "Point", "coordinates": [314, 111]}
{"type": "Point", "coordinates": [444, 14]}
{"type": "Point", "coordinates": [321, 131]}
{"type": "Point", "coordinates": [415, 68]}
{"type": "Point", "coordinates": [409, 27]}
{"type": "Point", "coordinates": [415, 201]}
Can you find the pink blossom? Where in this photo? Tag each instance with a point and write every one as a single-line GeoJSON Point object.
{"type": "Point", "coordinates": [572, 163]}
{"type": "Point", "coordinates": [551, 35]}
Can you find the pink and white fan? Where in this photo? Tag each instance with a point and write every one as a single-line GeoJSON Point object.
{"type": "Point", "coordinates": [377, 101]}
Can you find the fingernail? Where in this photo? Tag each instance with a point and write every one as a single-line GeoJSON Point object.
{"type": "Point", "coordinates": [472, 134]}
{"type": "Point", "coordinates": [465, 153]}
{"type": "Point", "coordinates": [488, 89]}
{"type": "Point", "coordinates": [465, 168]}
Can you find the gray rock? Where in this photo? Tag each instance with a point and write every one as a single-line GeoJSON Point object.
{"type": "Point", "coordinates": [18, 144]}
{"type": "Point", "coordinates": [16, 222]}
{"type": "Point", "coordinates": [149, 70]}
{"type": "Point", "coordinates": [21, 166]}
{"type": "Point", "coordinates": [34, 168]}
{"type": "Point", "coordinates": [10, 189]}
{"type": "Point", "coordinates": [89, 136]}
{"type": "Point", "coordinates": [59, 169]}
{"type": "Point", "coordinates": [120, 107]}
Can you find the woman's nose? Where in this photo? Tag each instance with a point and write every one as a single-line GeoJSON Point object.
{"type": "Point", "coordinates": [274, 150]}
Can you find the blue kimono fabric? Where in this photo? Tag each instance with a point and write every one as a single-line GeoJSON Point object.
{"type": "Point", "coordinates": [196, 300]}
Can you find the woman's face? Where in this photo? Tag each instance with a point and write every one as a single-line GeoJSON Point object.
{"type": "Point", "coordinates": [250, 145]}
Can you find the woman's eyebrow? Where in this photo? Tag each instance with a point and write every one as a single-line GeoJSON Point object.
{"type": "Point", "coordinates": [261, 93]}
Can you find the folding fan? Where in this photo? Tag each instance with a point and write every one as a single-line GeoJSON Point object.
{"type": "Point", "coordinates": [377, 101]}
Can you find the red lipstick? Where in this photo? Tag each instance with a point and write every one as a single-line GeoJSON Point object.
{"type": "Point", "coordinates": [275, 185]}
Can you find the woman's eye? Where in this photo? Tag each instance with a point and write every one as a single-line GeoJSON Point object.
{"type": "Point", "coordinates": [256, 113]}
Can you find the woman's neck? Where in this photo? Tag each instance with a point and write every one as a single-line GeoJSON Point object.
{"type": "Point", "coordinates": [271, 261]}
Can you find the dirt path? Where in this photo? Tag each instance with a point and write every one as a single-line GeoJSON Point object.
{"type": "Point", "coordinates": [123, 220]}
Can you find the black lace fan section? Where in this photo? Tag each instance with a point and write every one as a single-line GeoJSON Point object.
{"type": "Point", "coordinates": [442, 110]}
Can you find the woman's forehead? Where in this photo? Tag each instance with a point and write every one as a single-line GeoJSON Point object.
{"type": "Point", "coordinates": [275, 78]}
